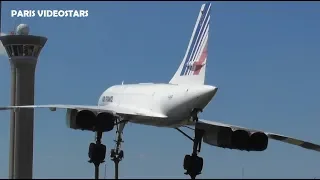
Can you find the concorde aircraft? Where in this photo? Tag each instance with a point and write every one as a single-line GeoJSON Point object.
{"type": "Point", "coordinates": [172, 105]}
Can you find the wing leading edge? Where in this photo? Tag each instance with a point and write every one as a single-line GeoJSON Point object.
{"type": "Point", "coordinates": [210, 126]}
{"type": "Point", "coordinates": [115, 110]}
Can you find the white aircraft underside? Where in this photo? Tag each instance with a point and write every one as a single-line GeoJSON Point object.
{"type": "Point", "coordinates": [171, 105]}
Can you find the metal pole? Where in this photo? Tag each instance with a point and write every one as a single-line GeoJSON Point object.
{"type": "Point", "coordinates": [242, 173]}
{"type": "Point", "coordinates": [116, 167]}
{"type": "Point", "coordinates": [97, 164]}
{"type": "Point", "coordinates": [105, 171]}
{"type": "Point", "coordinates": [96, 171]}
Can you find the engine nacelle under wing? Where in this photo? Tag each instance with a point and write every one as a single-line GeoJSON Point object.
{"type": "Point", "coordinates": [236, 139]}
{"type": "Point", "coordinates": [71, 118]}
{"type": "Point", "coordinates": [90, 121]}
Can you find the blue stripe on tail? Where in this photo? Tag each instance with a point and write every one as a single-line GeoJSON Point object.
{"type": "Point", "coordinates": [200, 38]}
{"type": "Point", "coordinates": [196, 38]}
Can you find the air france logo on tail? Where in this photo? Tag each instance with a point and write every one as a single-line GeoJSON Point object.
{"type": "Point", "coordinates": [197, 52]}
{"type": "Point", "coordinates": [192, 69]}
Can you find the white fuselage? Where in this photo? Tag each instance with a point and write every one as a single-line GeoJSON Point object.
{"type": "Point", "coordinates": [172, 103]}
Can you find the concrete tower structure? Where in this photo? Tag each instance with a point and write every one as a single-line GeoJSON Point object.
{"type": "Point", "coordinates": [23, 51]}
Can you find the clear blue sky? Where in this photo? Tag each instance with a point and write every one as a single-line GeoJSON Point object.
{"type": "Point", "coordinates": [263, 56]}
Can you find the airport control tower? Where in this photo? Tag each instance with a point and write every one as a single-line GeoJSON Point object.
{"type": "Point", "coordinates": [23, 51]}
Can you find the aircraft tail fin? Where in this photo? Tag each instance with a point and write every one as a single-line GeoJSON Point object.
{"type": "Point", "coordinates": [193, 66]}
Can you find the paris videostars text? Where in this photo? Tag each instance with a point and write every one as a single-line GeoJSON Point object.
{"type": "Point", "coordinates": [49, 13]}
